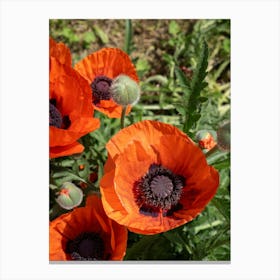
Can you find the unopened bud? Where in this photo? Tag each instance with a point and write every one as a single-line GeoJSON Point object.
{"type": "Point", "coordinates": [69, 196]}
{"type": "Point", "coordinates": [223, 136]}
{"type": "Point", "coordinates": [205, 139]}
{"type": "Point", "coordinates": [125, 91]}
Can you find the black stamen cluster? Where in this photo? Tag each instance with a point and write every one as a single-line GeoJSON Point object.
{"type": "Point", "coordinates": [87, 246]}
{"type": "Point", "coordinates": [55, 118]}
{"type": "Point", "coordinates": [159, 189]}
{"type": "Point", "coordinates": [101, 88]}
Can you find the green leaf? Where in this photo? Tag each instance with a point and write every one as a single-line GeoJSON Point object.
{"type": "Point", "coordinates": [180, 108]}
{"type": "Point", "coordinates": [173, 27]}
{"type": "Point", "coordinates": [157, 78]}
{"type": "Point", "coordinates": [226, 45]}
{"type": "Point", "coordinates": [150, 247]}
{"type": "Point", "coordinates": [142, 66]}
{"type": "Point", "coordinates": [200, 70]}
{"type": "Point", "coordinates": [69, 34]}
{"type": "Point", "coordinates": [64, 176]}
{"type": "Point", "coordinates": [196, 85]}
{"type": "Point", "coordinates": [222, 206]}
{"type": "Point", "coordinates": [101, 34]}
{"type": "Point", "coordinates": [89, 37]}
{"type": "Point", "coordinates": [139, 249]}
{"type": "Point", "coordinates": [184, 82]}
{"type": "Point", "coordinates": [174, 237]}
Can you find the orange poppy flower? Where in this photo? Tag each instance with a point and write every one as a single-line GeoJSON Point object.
{"type": "Point", "coordinates": [86, 233]}
{"type": "Point", "coordinates": [60, 51]}
{"type": "Point", "coordinates": [156, 178]}
{"type": "Point", "coordinates": [99, 69]}
{"type": "Point", "coordinates": [70, 110]}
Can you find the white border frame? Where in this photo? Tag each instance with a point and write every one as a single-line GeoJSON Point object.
{"type": "Point", "coordinates": [255, 138]}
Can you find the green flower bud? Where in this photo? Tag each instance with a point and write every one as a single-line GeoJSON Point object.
{"type": "Point", "coordinates": [69, 196]}
{"type": "Point", "coordinates": [223, 136]}
{"type": "Point", "coordinates": [124, 90]}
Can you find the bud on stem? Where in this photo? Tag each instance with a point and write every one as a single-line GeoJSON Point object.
{"type": "Point", "coordinates": [125, 91]}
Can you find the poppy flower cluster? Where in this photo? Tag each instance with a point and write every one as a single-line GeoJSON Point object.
{"type": "Point", "coordinates": [76, 92]}
{"type": "Point", "coordinates": [70, 104]}
{"type": "Point", "coordinates": [155, 177]}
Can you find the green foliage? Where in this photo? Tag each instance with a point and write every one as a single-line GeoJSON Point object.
{"type": "Point", "coordinates": [173, 28]}
{"type": "Point", "coordinates": [128, 45]}
{"type": "Point", "coordinates": [101, 34]}
{"type": "Point", "coordinates": [185, 81]}
{"type": "Point", "coordinates": [191, 101]}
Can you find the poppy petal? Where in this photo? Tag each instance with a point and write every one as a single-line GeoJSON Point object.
{"type": "Point", "coordinates": [109, 62]}
{"type": "Point", "coordinates": [72, 96]}
{"type": "Point", "coordinates": [60, 51]}
{"type": "Point", "coordinates": [147, 132]}
{"type": "Point", "coordinates": [61, 151]}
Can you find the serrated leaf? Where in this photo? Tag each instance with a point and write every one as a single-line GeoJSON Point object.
{"type": "Point", "coordinates": [180, 108]}
{"type": "Point", "coordinates": [200, 70]}
{"type": "Point", "coordinates": [197, 84]}
{"type": "Point", "coordinates": [182, 78]}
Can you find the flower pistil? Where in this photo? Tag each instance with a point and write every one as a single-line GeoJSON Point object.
{"type": "Point", "coordinates": [158, 191]}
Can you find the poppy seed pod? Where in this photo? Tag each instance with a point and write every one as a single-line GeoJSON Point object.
{"type": "Point", "coordinates": [69, 196]}
{"type": "Point", "coordinates": [125, 91]}
{"type": "Point", "coordinates": [223, 136]}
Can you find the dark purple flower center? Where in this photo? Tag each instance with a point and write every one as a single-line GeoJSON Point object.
{"type": "Point", "coordinates": [161, 186]}
{"type": "Point", "coordinates": [101, 88]}
{"type": "Point", "coordinates": [55, 117]}
{"type": "Point", "coordinates": [87, 246]}
{"type": "Point", "coordinates": [159, 190]}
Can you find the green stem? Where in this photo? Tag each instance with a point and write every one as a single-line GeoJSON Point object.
{"type": "Point", "coordinates": [186, 125]}
{"type": "Point", "coordinates": [128, 36]}
{"type": "Point", "coordinates": [123, 116]}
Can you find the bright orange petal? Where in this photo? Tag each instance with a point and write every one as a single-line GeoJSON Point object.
{"type": "Point", "coordinates": [180, 155]}
{"type": "Point", "coordinates": [109, 62]}
{"type": "Point", "coordinates": [71, 91]}
{"type": "Point", "coordinates": [111, 109]}
{"type": "Point", "coordinates": [147, 132]}
{"type": "Point", "coordinates": [60, 51]}
{"type": "Point", "coordinates": [61, 151]}
{"type": "Point", "coordinates": [130, 167]}
{"type": "Point", "coordinates": [73, 99]}
{"type": "Point", "coordinates": [110, 201]}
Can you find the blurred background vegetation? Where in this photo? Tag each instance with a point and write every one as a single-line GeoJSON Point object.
{"type": "Point", "coordinates": [184, 83]}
